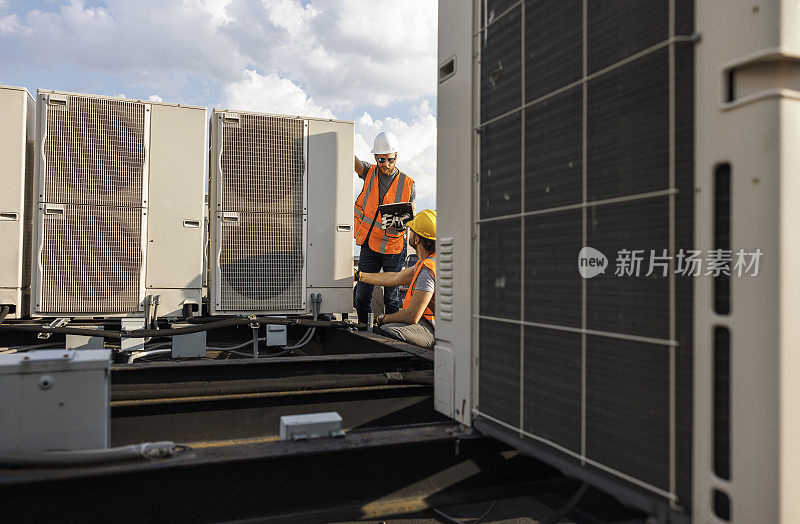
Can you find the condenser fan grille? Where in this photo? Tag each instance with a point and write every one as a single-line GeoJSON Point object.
{"type": "Point", "coordinates": [261, 263]}
{"type": "Point", "coordinates": [91, 259]}
{"type": "Point", "coordinates": [94, 151]}
{"type": "Point", "coordinates": [263, 164]}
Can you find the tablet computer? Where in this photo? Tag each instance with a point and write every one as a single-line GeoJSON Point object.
{"type": "Point", "coordinates": [396, 216]}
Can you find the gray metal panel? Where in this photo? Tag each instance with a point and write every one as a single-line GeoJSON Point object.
{"type": "Point", "coordinates": [754, 125]}
{"type": "Point", "coordinates": [276, 335]}
{"type": "Point", "coordinates": [312, 425]}
{"type": "Point", "coordinates": [454, 349]}
{"type": "Point", "coordinates": [188, 346]}
{"type": "Point", "coordinates": [176, 199]}
{"type": "Point", "coordinates": [16, 129]}
{"type": "Point", "coordinates": [330, 207]}
{"type": "Point", "coordinates": [84, 341]}
{"type": "Point", "coordinates": [60, 403]}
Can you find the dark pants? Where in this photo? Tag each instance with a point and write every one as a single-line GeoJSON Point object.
{"type": "Point", "coordinates": [370, 261]}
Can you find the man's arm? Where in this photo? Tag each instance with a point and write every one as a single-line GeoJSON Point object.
{"type": "Point", "coordinates": [389, 279]}
{"type": "Point", "coordinates": [359, 168]}
{"type": "Point", "coordinates": [414, 311]}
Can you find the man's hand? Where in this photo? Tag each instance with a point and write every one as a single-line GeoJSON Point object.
{"type": "Point", "coordinates": [356, 275]}
{"type": "Point", "coordinates": [380, 319]}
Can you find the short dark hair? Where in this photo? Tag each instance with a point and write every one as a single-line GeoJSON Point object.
{"type": "Point", "coordinates": [427, 243]}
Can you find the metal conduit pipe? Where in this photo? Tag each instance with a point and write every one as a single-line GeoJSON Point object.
{"type": "Point", "coordinates": [141, 333]}
{"type": "Point", "coordinates": [4, 313]}
{"type": "Point", "coordinates": [234, 387]}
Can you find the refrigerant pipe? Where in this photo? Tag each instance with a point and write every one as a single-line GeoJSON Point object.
{"type": "Point", "coordinates": [141, 333]}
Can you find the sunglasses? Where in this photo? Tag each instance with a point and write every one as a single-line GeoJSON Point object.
{"type": "Point", "coordinates": [385, 160]}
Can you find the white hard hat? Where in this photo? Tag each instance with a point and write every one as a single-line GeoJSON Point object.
{"type": "Point", "coordinates": [385, 143]}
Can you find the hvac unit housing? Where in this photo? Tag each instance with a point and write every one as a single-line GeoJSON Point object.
{"type": "Point", "coordinates": [119, 205]}
{"type": "Point", "coordinates": [281, 203]}
{"type": "Point", "coordinates": [16, 175]}
{"type": "Point", "coordinates": [649, 125]}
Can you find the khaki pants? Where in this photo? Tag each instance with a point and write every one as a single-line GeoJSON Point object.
{"type": "Point", "coordinates": [415, 334]}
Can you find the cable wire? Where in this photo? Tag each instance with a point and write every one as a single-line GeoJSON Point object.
{"type": "Point", "coordinates": [568, 506]}
{"type": "Point", "coordinates": [148, 353]}
{"type": "Point", "coordinates": [86, 457]}
{"type": "Point", "coordinates": [452, 520]}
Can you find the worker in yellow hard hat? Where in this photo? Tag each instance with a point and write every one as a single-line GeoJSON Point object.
{"type": "Point", "coordinates": [415, 323]}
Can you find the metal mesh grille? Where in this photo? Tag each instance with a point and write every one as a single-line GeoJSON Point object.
{"type": "Point", "coordinates": [601, 119]}
{"type": "Point", "coordinates": [94, 152]}
{"type": "Point", "coordinates": [262, 164]}
{"type": "Point", "coordinates": [261, 263]}
{"type": "Point", "coordinates": [91, 260]}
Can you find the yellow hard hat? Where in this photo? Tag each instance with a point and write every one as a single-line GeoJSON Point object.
{"type": "Point", "coordinates": [424, 224]}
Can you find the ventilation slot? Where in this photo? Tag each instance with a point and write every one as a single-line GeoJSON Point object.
{"type": "Point", "coordinates": [722, 505]}
{"type": "Point", "coordinates": [722, 235]}
{"type": "Point", "coordinates": [722, 403]}
{"type": "Point", "coordinates": [447, 69]}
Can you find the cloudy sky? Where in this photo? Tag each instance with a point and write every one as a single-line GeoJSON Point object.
{"type": "Point", "coordinates": [370, 61]}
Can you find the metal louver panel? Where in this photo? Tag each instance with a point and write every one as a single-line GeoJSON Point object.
{"type": "Point", "coordinates": [590, 146]}
{"type": "Point", "coordinates": [260, 218]}
{"type": "Point", "coordinates": [261, 262]}
{"type": "Point", "coordinates": [91, 258]}
{"type": "Point", "coordinates": [94, 151]}
{"type": "Point", "coordinates": [262, 164]}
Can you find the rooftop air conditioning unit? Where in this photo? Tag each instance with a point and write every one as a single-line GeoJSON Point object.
{"type": "Point", "coordinates": [119, 206]}
{"type": "Point", "coordinates": [281, 198]}
{"type": "Point", "coordinates": [648, 127]}
{"type": "Point", "coordinates": [16, 176]}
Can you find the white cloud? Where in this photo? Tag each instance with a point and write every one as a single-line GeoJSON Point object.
{"type": "Point", "coordinates": [290, 15]}
{"type": "Point", "coordinates": [155, 98]}
{"type": "Point", "coordinates": [156, 43]}
{"type": "Point", "coordinates": [271, 94]}
{"type": "Point", "coordinates": [9, 24]}
{"type": "Point", "coordinates": [347, 53]}
{"type": "Point", "coordinates": [216, 9]}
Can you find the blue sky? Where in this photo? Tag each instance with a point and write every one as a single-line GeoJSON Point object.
{"type": "Point", "coordinates": [371, 61]}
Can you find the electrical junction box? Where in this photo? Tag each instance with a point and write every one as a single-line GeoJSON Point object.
{"type": "Point", "coordinates": [54, 400]}
{"type": "Point", "coordinates": [311, 425]}
{"type": "Point", "coordinates": [276, 335]}
{"type": "Point", "coordinates": [85, 341]}
{"type": "Point", "coordinates": [189, 345]}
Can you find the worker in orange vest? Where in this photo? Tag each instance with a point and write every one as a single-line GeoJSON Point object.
{"type": "Point", "coordinates": [416, 322]}
{"type": "Point", "coordinates": [382, 246]}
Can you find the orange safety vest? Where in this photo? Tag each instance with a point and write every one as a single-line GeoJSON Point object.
{"type": "Point", "coordinates": [430, 309]}
{"type": "Point", "coordinates": [368, 219]}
